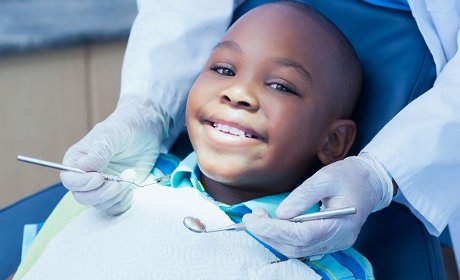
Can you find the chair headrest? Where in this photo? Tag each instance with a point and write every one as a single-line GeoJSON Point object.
{"type": "Point", "coordinates": [397, 65]}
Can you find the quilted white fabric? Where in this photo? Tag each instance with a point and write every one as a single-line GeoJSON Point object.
{"type": "Point", "coordinates": [150, 242]}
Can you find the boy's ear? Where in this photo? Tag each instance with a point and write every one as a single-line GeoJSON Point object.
{"type": "Point", "coordinates": [337, 142]}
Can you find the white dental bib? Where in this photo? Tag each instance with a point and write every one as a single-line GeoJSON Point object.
{"type": "Point", "coordinates": [150, 242]}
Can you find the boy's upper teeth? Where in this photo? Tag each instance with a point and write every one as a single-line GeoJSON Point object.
{"type": "Point", "coordinates": [232, 130]}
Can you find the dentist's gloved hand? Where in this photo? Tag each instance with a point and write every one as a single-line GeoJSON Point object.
{"type": "Point", "coordinates": [129, 138]}
{"type": "Point", "coordinates": [360, 181]}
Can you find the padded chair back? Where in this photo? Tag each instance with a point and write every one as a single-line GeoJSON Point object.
{"type": "Point", "coordinates": [397, 68]}
{"type": "Point", "coordinates": [33, 209]}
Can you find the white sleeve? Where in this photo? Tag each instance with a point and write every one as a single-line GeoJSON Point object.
{"type": "Point", "coordinates": [438, 22]}
{"type": "Point", "coordinates": [167, 48]}
{"type": "Point", "coordinates": [420, 149]}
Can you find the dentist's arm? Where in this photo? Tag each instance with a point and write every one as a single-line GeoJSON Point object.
{"type": "Point", "coordinates": [168, 45]}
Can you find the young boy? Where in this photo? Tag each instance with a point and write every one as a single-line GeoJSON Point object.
{"type": "Point", "coordinates": [272, 104]}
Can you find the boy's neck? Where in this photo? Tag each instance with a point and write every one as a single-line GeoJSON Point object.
{"type": "Point", "coordinates": [227, 194]}
{"type": "Point", "coordinates": [234, 195]}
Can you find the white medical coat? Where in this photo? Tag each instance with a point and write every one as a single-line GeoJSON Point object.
{"type": "Point", "coordinates": [171, 40]}
{"type": "Point", "coordinates": [420, 147]}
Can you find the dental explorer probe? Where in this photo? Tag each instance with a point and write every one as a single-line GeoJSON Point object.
{"type": "Point", "coordinates": [50, 164]}
{"type": "Point", "coordinates": [62, 167]}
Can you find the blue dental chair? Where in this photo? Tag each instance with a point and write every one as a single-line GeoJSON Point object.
{"type": "Point", "coordinates": [397, 68]}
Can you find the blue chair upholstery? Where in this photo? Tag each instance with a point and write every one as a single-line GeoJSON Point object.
{"type": "Point", "coordinates": [397, 68]}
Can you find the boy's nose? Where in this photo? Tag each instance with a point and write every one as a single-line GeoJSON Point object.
{"type": "Point", "coordinates": [240, 96]}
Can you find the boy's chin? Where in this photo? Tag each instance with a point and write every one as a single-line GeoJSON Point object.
{"type": "Point", "coordinates": [220, 176]}
{"type": "Point", "coordinates": [230, 170]}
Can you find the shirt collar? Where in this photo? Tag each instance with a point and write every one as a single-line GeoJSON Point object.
{"type": "Point", "coordinates": [188, 173]}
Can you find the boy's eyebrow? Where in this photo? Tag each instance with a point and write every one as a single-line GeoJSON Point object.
{"type": "Point", "coordinates": [228, 44]}
{"type": "Point", "coordinates": [286, 62]}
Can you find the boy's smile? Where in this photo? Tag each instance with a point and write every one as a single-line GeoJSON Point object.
{"type": "Point", "coordinates": [226, 130]}
{"type": "Point", "coordinates": [258, 113]}
{"type": "Point", "coordinates": [232, 129]}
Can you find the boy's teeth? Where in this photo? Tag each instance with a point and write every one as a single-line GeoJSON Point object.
{"type": "Point", "coordinates": [231, 130]}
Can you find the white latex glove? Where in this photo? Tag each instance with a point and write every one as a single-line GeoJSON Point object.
{"type": "Point", "coordinates": [359, 181]}
{"type": "Point", "coordinates": [129, 138]}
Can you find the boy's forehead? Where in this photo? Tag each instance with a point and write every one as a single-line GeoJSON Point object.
{"type": "Point", "coordinates": [283, 26]}
{"type": "Point", "coordinates": [279, 21]}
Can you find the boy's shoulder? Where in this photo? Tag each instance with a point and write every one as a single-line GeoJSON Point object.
{"type": "Point", "coordinates": [68, 208]}
{"type": "Point", "coordinates": [344, 264]}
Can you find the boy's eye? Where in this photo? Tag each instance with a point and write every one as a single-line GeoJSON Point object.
{"type": "Point", "coordinates": [281, 87]}
{"type": "Point", "coordinates": [222, 70]}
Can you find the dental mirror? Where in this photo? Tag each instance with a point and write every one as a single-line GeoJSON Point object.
{"type": "Point", "coordinates": [196, 225]}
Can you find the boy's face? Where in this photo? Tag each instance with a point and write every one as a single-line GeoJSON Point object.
{"type": "Point", "coordinates": [258, 112]}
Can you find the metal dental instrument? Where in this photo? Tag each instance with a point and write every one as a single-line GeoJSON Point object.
{"type": "Point", "coordinates": [161, 180]}
{"type": "Point", "coordinates": [195, 225]}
